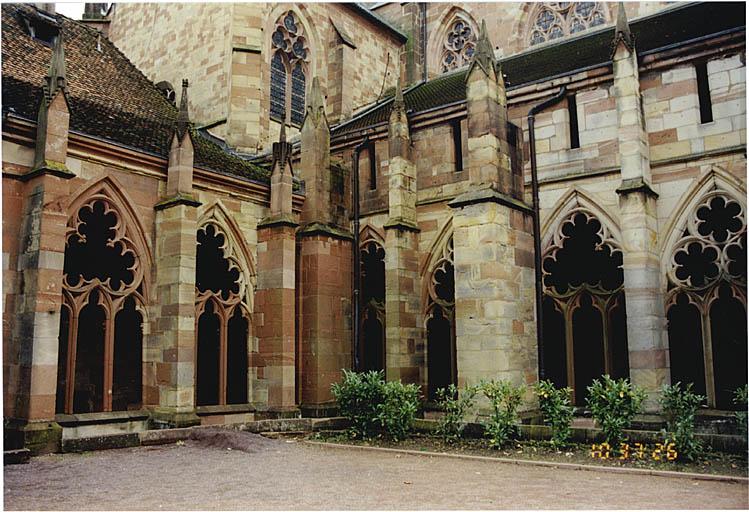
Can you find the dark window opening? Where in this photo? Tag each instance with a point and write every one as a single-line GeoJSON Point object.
{"type": "Point", "coordinates": [42, 27]}
{"type": "Point", "coordinates": [587, 333]}
{"type": "Point", "coordinates": [703, 92]}
{"type": "Point", "coordinates": [62, 359]}
{"type": "Point", "coordinates": [373, 346]}
{"type": "Point", "coordinates": [372, 166]}
{"type": "Point", "coordinates": [89, 358]}
{"type": "Point", "coordinates": [555, 350]}
{"type": "Point", "coordinates": [728, 334]}
{"type": "Point", "coordinates": [441, 354]}
{"type": "Point", "coordinates": [214, 272]}
{"type": "Point", "coordinates": [457, 144]}
{"type": "Point", "coordinates": [207, 385]}
{"type": "Point", "coordinates": [128, 346]}
{"type": "Point", "coordinates": [685, 344]}
{"type": "Point", "coordinates": [236, 363]}
{"type": "Point", "coordinates": [372, 352]}
{"type": "Point", "coordinates": [574, 129]}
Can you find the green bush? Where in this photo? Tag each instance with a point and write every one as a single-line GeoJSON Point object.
{"type": "Point", "coordinates": [556, 408]}
{"type": "Point", "coordinates": [740, 398]}
{"type": "Point", "coordinates": [397, 410]}
{"type": "Point", "coordinates": [455, 405]}
{"type": "Point", "coordinates": [679, 407]}
{"type": "Point", "coordinates": [505, 400]}
{"type": "Point", "coordinates": [614, 404]}
{"type": "Point", "coordinates": [359, 396]}
{"type": "Point", "coordinates": [374, 406]}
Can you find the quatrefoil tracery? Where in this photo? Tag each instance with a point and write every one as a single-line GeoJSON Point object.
{"type": "Point", "coordinates": [558, 19]}
{"type": "Point", "coordinates": [459, 45]}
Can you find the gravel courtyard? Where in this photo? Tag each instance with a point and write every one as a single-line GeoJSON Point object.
{"type": "Point", "coordinates": [243, 471]}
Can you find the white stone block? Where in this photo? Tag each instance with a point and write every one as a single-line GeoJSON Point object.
{"type": "Point", "coordinates": [678, 74]}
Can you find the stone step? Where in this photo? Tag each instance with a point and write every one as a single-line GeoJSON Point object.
{"type": "Point", "coordinates": [20, 456]}
{"type": "Point", "coordinates": [281, 435]}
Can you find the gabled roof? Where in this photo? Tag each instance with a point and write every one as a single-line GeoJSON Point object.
{"type": "Point", "coordinates": [677, 25]}
{"type": "Point", "coordinates": [109, 97]}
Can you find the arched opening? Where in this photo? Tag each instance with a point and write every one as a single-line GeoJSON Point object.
{"type": "Point", "coordinates": [685, 344]}
{"type": "Point", "coordinates": [223, 327]}
{"type": "Point", "coordinates": [89, 361]}
{"type": "Point", "coordinates": [440, 325]}
{"type": "Point", "coordinates": [728, 333]}
{"type": "Point", "coordinates": [555, 353]}
{"type": "Point", "coordinates": [585, 310]}
{"type": "Point", "coordinates": [372, 341]}
{"type": "Point", "coordinates": [706, 302]}
{"type": "Point", "coordinates": [100, 337]}
{"type": "Point", "coordinates": [236, 371]}
{"type": "Point", "coordinates": [128, 347]}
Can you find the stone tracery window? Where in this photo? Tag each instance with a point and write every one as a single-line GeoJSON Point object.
{"type": "Point", "coordinates": [372, 346]}
{"type": "Point", "coordinates": [223, 320]}
{"type": "Point", "coordinates": [289, 67]}
{"type": "Point", "coordinates": [440, 323]}
{"type": "Point", "coordinates": [706, 300]}
{"type": "Point", "coordinates": [584, 307]}
{"type": "Point", "coordinates": [101, 337]}
{"type": "Point", "coordinates": [558, 19]}
{"type": "Point", "coordinates": [459, 45]}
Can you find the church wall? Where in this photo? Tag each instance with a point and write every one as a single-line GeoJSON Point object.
{"type": "Point", "coordinates": [180, 40]}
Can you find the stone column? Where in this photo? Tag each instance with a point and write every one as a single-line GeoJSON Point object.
{"type": "Point", "coordinates": [648, 351]}
{"type": "Point", "coordinates": [402, 330]}
{"type": "Point", "coordinates": [325, 270]}
{"type": "Point", "coordinates": [40, 265]}
{"type": "Point", "coordinates": [493, 243]}
{"type": "Point", "coordinates": [276, 286]}
{"type": "Point", "coordinates": [170, 352]}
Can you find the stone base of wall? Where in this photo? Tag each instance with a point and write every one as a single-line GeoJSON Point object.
{"type": "Point", "coordinates": [39, 437]}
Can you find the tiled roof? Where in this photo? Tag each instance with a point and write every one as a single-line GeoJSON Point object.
{"type": "Point", "coordinates": [109, 97]}
{"type": "Point", "coordinates": [672, 26]}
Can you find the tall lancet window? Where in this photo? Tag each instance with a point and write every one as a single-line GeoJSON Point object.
{"type": "Point", "coordinates": [288, 70]}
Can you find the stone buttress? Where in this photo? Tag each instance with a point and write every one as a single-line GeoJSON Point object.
{"type": "Point", "coordinates": [402, 331]}
{"type": "Point", "coordinates": [493, 242]}
{"type": "Point", "coordinates": [172, 345]}
{"type": "Point", "coordinates": [275, 293]}
{"type": "Point", "coordinates": [324, 269]}
{"type": "Point", "coordinates": [648, 352]}
{"type": "Point", "coordinates": [40, 267]}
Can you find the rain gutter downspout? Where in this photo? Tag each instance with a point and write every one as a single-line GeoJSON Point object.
{"type": "Point", "coordinates": [537, 225]}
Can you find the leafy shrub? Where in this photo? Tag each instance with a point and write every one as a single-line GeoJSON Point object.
{"type": "Point", "coordinates": [679, 407]}
{"type": "Point", "coordinates": [505, 399]}
{"type": "Point", "coordinates": [740, 398]}
{"type": "Point", "coordinates": [374, 406]}
{"type": "Point", "coordinates": [556, 408]}
{"type": "Point", "coordinates": [455, 405]}
{"type": "Point", "coordinates": [359, 396]}
{"type": "Point", "coordinates": [397, 410]}
{"type": "Point", "coordinates": [614, 404]}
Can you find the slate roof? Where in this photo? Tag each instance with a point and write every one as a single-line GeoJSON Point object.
{"type": "Point", "coordinates": [669, 27]}
{"type": "Point", "coordinates": [109, 97]}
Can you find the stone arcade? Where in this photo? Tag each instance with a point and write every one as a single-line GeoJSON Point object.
{"type": "Point", "coordinates": [183, 256]}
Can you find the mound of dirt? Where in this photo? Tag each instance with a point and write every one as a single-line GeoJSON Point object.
{"type": "Point", "coordinates": [223, 439]}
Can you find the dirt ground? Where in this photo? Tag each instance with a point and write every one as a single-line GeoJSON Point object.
{"type": "Point", "coordinates": [235, 470]}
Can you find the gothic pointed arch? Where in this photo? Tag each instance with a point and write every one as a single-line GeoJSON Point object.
{"type": "Point", "coordinates": [372, 317]}
{"type": "Point", "coordinates": [704, 263]}
{"type": "Point", "coordinates": [439, 318]}
{"type": "Point", "coordinates": [584, 303]}
{"type": "Point", "coordinates": [106, 271]}
{"type": "Point", "coordinates": [452, 45]}
{"type": "Point", "coordinates": [577, 198]}
{"type": "Point", "coordinates": [224, 289]}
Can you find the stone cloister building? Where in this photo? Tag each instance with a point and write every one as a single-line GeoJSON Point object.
{"type": "Point", "coordinates": [178, 230]}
